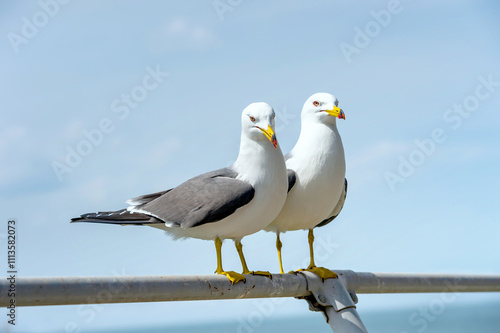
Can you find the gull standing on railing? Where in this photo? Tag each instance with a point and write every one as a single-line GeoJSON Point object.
{"type": "Point", "coordinates": [228, 203]}
{"type": "Point", "coordinates": [317, 163]}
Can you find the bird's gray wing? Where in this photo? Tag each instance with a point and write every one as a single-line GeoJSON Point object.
{"type": "Point", "coordinates": [209, 197]}
{"type": "Point", "coordinates": [338, 208]}
{"type": "Point", "coordinates": [292, 178]}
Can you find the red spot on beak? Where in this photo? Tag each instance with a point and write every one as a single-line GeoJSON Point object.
{"type": "Point", "coordinates": [274, 141]}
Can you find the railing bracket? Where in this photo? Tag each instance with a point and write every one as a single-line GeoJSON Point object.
{"type": "Point", "coordinates": [337, 304]}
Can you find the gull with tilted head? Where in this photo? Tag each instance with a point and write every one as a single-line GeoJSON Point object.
{"type": "Point", "coordinates": [316, 167]}
{"type": "Point", "coordinates": [228, 203]}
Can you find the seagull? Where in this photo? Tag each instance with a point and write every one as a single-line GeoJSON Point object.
{"type": "Point", "coordinates": [228, 203]}
{"type": "Point", "coordinates": [316, 167]}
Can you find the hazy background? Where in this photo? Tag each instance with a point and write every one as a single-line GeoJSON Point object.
{"type": "Point", "coordinates": [66, 68]}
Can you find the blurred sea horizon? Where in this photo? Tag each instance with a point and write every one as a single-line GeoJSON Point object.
{"type": "Point", "coordinates": [456, 318]}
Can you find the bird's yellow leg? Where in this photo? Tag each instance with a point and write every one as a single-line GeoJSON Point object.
{"type": "Point", "coordinates": [232, 276]}
{"type": "Point", "coordinates": [279, 245]}
{"type": "Point", "coordinates": [239, 248]}
{"type": "Point", "coordinates": [310, 238]}
{"type": "Point", "coordinates": [322, 272]}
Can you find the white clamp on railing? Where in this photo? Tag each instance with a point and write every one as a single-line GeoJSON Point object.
{"type": "Point", "coordinates": [337, 303]}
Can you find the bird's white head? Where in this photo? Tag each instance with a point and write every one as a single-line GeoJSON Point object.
{"type": "Point", "coordinates": [257, 123]}
{"type": "Point", "coordinates": [322, 107]}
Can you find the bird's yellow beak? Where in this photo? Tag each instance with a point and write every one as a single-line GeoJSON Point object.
{"type": "Point", "coordinates": [269, 133]}
{"type": "Point", "coordinates": [336, 112]}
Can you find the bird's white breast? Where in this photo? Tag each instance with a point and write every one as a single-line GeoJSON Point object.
{"type": "Point", "coordinates": [319, 163]}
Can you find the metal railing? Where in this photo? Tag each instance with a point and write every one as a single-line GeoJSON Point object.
{"type": "Point", "coordinates": [332, 297]}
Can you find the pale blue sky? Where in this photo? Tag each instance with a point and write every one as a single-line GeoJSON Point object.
{"type": "Point", "coordinates": [68, 76]}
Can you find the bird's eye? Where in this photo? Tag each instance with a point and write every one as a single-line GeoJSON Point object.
{"type": "Point", "coordinates": [315, 103]}
{"type": "Point", "coordinates": [274, 115]}
{"type": "Point", "coordinates": [252, 118]}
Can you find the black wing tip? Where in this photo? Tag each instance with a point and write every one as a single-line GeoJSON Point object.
{"type": "Point", "coordinates": [83, 218]}
{"type": "Point", "coordinates": [88, 219]}
{"type": "Point", "coordinates": [122, 217]}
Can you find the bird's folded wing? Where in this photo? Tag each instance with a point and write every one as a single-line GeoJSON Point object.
{"type": "Point", "coordinates": [209, 197]}
{"type": "Point", "coordinates": [338, 208]}
{"type": "Point", "coordinates": [292, 178]}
